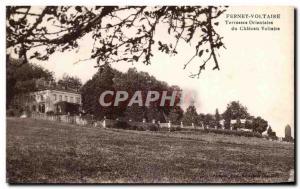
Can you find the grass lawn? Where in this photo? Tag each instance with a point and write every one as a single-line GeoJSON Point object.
{"type": "Point", "coordinates": [48, 152]}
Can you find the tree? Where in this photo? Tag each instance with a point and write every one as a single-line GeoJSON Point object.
{"type": "Point", "coordinates": [135, 113]}
{"type": "Point", "coordinates": [70, 82]}
{"type": "Point", "coordinates": [201, 118]}
{"type": "Point", "coordinates": [119, 33]}
{"type": "Point", "coordinates": [190, 116]}
{"type": "Point", "coordinates": [91, 90]}
{"type": "Point", "coordinates": [259, 125]}
{"type": "Point", "coordinates": [131, 81]}
{"type": "Point", "coordinates": [271, 133]}
{"type": "Point", "coordinates": [238, 124]}
{"type": "Point", "coordinates": [227, 123]}
{"type": "Point", "coordinates": [249, 122]}
{"type": "Point", "coordinates": [235, 110]}
{"type": "Point", "coordinates": [21, 78]}
{"type": "Point", "coordinates": [176, 115]}
{"type": "Point", "coordinates": [217, 118]}
{"type": "Point", "coordinates": [209, 121]}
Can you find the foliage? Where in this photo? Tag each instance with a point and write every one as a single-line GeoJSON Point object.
{"type": "Point", "coordinates": [131, 81]}
{"type": "Point", "coordinates": [70, 82]}
{"type": "Point", "coordinates": [235, 133]}
{"type": "Point", "coordinates": [176, 115]}
{"type": "Point", "coordinates": [235, 110]}
{"type": "Point", "coordinates": [190, 116]}
{"type": "Point", "coordinates": [20, 78]}
{"type": "Point", "coordinates": [121, 125]}
{"type": "Point", "coordinates": [91, 90]}
{"type": "Point", "coordinates": [217, 119]}
{"type": "Point", "coordinates": [259, 125]}
{"type": "Point", "coordinates": [217, 115]}
{"type": "Point", "coordinates": [119, 34]}
{"type": "Point", "coordinates": [208, 120]}
{"type": "Point", "coordinates": [201, 118]}
{"type": "Point", "coordinates": [132, 125]}
{"type": "Point", "coordinates": [136, 113]}
{"type": "Point", "coordinates": [271, 133]}
{"type": "Point", "coordinates": [13, 112]}
{"type": "Point", "coordinates": [237, 125]}
{"type": "Point", "coordinates": [249, 122]}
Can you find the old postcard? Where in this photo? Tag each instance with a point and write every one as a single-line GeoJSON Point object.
{"type": "Point", "coordinates": [150, 94]}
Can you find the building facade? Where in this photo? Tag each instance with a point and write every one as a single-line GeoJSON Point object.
{"type": "Point", "coordinates": [49, 100]}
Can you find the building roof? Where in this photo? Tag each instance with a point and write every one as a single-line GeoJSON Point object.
{"type": "Point", "coordinates": [58, 89]}
{"type": "Point", "coordinates": [43, 84]}
{"type": "Point", "coordinates": [66, 90]}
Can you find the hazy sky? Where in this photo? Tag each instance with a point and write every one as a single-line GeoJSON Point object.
{"type": "Point", "coordinates": [256, 69]}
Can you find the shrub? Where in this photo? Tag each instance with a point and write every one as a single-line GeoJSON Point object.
{"type": "Point", "coordinates": [50, 113]}
{"type": "Point", "coordinates": [133, 127]}
{"type": "Point", "coordinates": [141, 128]}
{"type": "Point", "coordinates": [153, 127]}
{"type": "Point", "coordinates": [234, 132]}
{"type": "Point", "coordinates": [121, 125]}
{"type": "Point", "coordinates": [172, 129]}
{"type": "Point", "coordinates": [13, 112]}
{"type": "Point", "coordinates": [175, 129]}
{"type": "Point", "coordinates": [10, 113]}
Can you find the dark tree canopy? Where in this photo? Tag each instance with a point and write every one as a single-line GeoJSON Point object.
{"type": "Point", "coordinates": [176, 115]}
{"type": "Point", "coordinates": [119, 33]}
{"type": "Point", "coordinates": [22, 78]}
{"type": "Point", "coordinates": [217, 118]}
{"type": "Point", "coordinates": [70, 82]}
{"type": "Point", "coordinates": [91, 90]}
{"type": "Point", "coordinates": [209, 121]}
{"type": "Point", "coordinates": [191, 116]}
{"type": "Point", "coordinates": [260, 125]}
{"type": "Point", "coordinates": [235, 110]}
{"type": "Point", "coordinates": [130, 81]}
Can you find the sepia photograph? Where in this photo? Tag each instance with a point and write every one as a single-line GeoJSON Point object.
{"type": "Point", "coordinates": [150, 94]}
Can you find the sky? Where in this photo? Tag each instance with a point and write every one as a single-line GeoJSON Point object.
{"type": "Point", "coordinates": [256, 68]}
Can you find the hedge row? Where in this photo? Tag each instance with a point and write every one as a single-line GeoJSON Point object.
{"type": "Point", "coordinates": [139, 126]}
{"type": "Point", "coordinates": [234, 132]}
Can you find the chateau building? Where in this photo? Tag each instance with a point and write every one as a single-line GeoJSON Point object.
{"type": "Point", "coordinates": [50, 99]}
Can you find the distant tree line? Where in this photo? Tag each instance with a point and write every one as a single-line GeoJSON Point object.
{"type": "Point", "coordinates": [234, 111]}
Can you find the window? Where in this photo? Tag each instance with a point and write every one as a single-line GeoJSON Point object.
{"type": "Point", "coordinates": [72, 99]}
{"type": "Point", "coordinates": [33, 108]}
{"type": "Point", "coordinates": [54, 96]}
{"type": "Point", "coordinates": [66, 98]}
{"type": "Point", "coordinates": [60, 97]}
{"type": "Point", "coordinates": [42, 97]}
{"type": "Point", "coordinates": [78, 100]}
